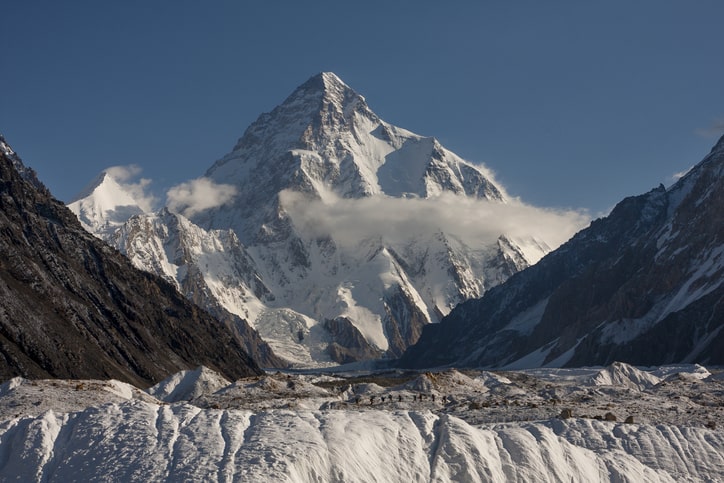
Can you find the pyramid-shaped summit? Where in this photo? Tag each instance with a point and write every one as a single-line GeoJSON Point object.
{"type": "Point", "coordinates": [327, 88]}
{"type": "Point", "coordinates": [325, 83]}
{"type": "Point", "coordinates": [309, 118]}
{"type": "Point", "coordinates": [325, 138]}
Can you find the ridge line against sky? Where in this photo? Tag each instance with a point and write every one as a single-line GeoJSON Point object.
{"type": "Point", "coordinates": [571, 105]}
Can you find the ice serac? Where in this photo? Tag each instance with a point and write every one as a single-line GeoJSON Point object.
{"type": "Point", "coordinates": [323, 148]}
{"type": "Point", "coordinates": [73, 307]}
{"type": "Point", "coordinates": [643, 285]}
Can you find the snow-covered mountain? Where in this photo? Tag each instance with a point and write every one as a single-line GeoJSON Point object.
{"type": "Point", "coordinates": [644, 285]}
{"type": "Point", "coordinates": [342, 238]}
{"type": "Point", "coordinates": [324, 140]}
{"type": "Point", "coordinates": [323, 156]}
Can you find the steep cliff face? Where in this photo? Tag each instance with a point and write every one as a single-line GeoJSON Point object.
{"type": "Point", "coordinates": [73, 307]}
{"type": "Point", "coordinates": [643, 285]}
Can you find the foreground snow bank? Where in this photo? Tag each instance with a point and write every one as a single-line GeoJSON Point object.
{"type": "Point", "coordinates": [143, 441]}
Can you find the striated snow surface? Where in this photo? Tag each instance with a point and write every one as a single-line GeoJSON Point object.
{"type": "Point", "coordinates": [394, 426]}
{"type": "Point", "coordinates": [146, 442]}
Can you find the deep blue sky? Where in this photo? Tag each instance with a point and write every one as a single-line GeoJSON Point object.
{"type": "Point", "coordinates": [573, 104]}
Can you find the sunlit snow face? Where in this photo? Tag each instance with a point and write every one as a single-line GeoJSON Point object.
{"type": "Point", "coordinates": [128, 177]}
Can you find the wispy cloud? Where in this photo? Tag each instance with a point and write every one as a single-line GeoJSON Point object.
{"type": "Point", "coordinates": [198, 195]}
{"type": "Point", "coordinates": [715, 129]}
{"type": "Point", "coordinates": [127, 177]}
{"type": "Point", "coordinates": [395, 220]}
{"type": "Point", "coordinates": [677, 176]}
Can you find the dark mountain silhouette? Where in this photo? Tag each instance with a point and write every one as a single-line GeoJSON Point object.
{"type": "Point", "coordinates": [73, 307]}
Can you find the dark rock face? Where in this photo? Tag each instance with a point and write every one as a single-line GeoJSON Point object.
{"type": "Point", "coordinates": [643, 285]}
{"type": "Point", "coordinates": [73, 307]}
{"type": "Point", "coordinates": [403, 320]}
{"type": "Point", "coordinates": [348, 344]}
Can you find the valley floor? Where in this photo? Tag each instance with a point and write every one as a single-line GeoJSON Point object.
{"type": "Point", "coordinates": [537, 425]}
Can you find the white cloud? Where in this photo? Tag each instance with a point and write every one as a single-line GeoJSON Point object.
{"type": "Point", "coordinates": [475, 222]}
{"type": "Point", "coordinates": [124, 173]}
{"type": "Point", "coordinates": [139, 189]}
{"type": "Point", "coordinates": [198, 195]}
{"type": "Point", "coordinates": [677, 176]}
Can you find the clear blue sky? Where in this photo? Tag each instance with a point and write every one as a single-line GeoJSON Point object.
{"type": "Point", "coordinates": [572, 104]}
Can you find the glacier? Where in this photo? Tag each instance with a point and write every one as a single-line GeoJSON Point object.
{"type": "Point", "coordinates": [308, 427]}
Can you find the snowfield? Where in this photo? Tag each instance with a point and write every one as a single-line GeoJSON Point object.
{"type": "Point", "coordinates": [537, 425]}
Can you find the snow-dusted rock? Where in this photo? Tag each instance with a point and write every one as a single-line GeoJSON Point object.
{"type": "Point", "coordinates": [188, 385]}
{"type": "Point", "coordinates": [620, 374]}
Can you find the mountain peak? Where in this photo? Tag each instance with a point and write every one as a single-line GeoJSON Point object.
{"type": "Point", "coordinates": [104, 205]}
{"type": "Point", "coordinates": [326, 92]}
{"type": "Point", "coordinates": [28, 174]}
{"type": "Point", "coordinates": [97, 182]}
{"type": "Point", "coordinates": [321, 107]}
{"type": "Point", "coordinates": [328, 84]}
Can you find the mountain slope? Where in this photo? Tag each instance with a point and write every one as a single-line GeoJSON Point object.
{"type": "Point", "coordinates": [74, 307]}
{"type": "Point", "coordinates": [324, 138]}
{"type": "Point", "coordinates": [643, 285]}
